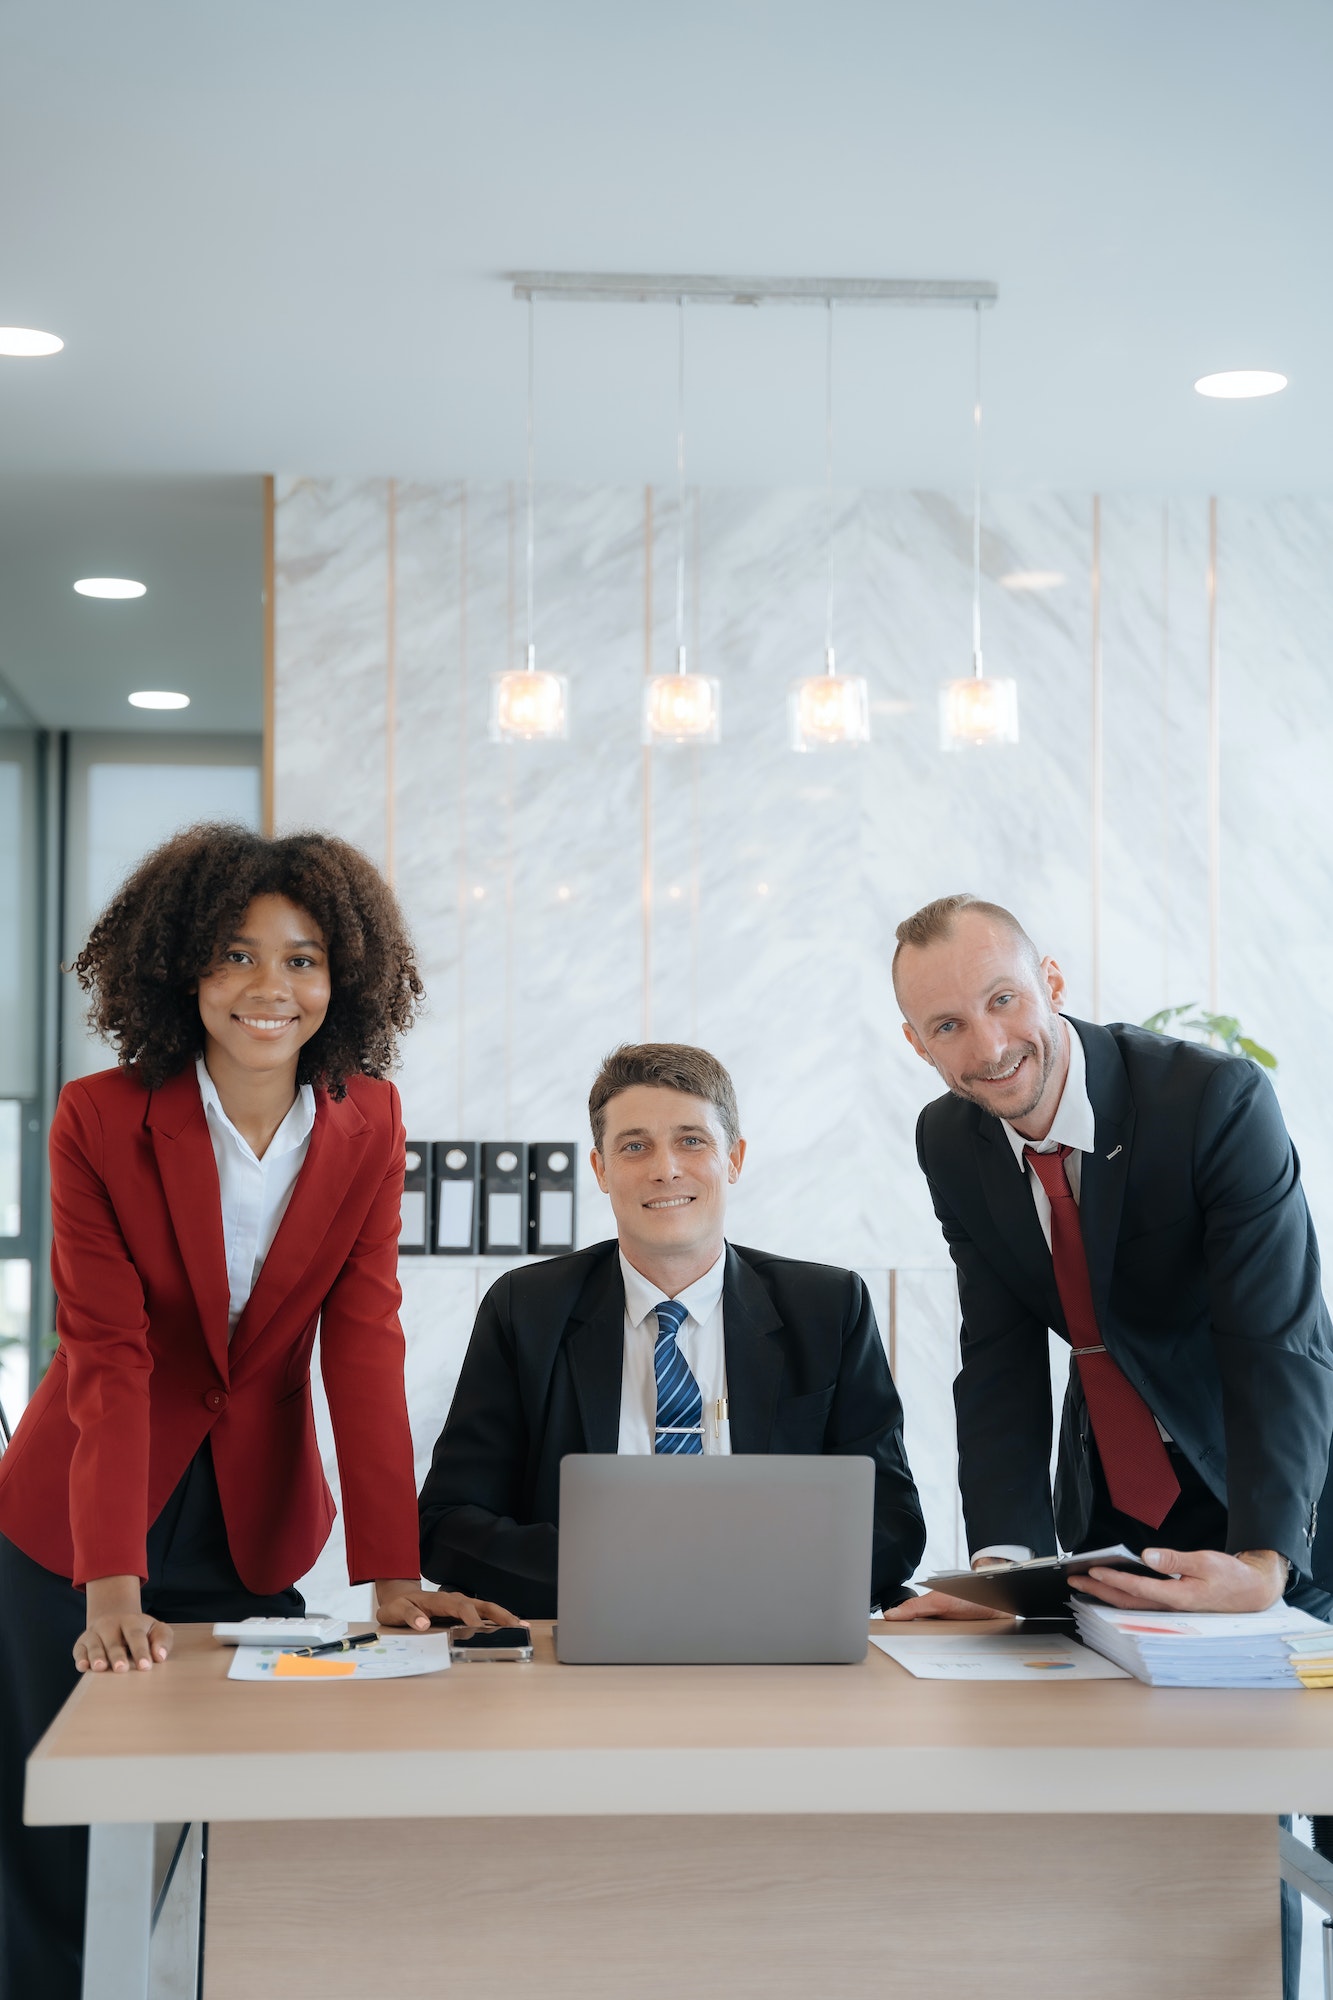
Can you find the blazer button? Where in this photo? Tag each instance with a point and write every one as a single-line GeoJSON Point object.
{"type": "Point", "coordinates": [216, 1399]}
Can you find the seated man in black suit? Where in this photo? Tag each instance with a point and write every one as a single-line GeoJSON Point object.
{"type": "Point", "coordinates": [666, 1339]}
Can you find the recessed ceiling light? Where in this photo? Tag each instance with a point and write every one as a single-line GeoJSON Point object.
{"type": "Point", "coordinates": [1032, 579]}
{"type": "Point", "coordinates": [109, 586]}
{"type": "Point", "coordinates": [158, 698]}
{"type": "Point", "coordinates": [1235, 383]}
{"type": "Point", "coordinates": [24, 342]}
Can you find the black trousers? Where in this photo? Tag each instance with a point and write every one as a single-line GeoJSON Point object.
{"type": "Point", "coordinates": [43, 1870]}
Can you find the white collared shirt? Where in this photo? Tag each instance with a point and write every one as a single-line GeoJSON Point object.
{"type": "Point", "coordinates": [700, 1341]}
{"type": "Point", "coordinates": [1075, 1126]}
{"type": "Point", "coordinates": [254, 1192]}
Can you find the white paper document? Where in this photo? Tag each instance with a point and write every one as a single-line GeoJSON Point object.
{"type": "Point", "coordinates": [1248, 1649]}
{"type": "Point", "coordinates": [393, 1657]}
{"type": "Point", "coordinates": [997, 1656]}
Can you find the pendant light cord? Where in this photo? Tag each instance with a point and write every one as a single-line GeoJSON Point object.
{"type": "Point", "coordinates": [680, 486]}
{"type": "Point", "coordinates": [828, 487]}
{"type": "Point", "coordinates": [976, 513]}
{"type": "Point", "coordinates": [532, 539]}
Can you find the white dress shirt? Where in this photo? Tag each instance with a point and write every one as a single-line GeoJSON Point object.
{"type": "Point", "coordinates": [254, 1192]}
{"type": "Point", "coordinates": [700, 1341]}
{"type": "Point", "coordinates": [1075, 1126]}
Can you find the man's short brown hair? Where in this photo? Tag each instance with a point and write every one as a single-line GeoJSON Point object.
{"type": "Point", "coordinates": [935, 921]}
{"type": "Point", "coordinates": [665, 1066]}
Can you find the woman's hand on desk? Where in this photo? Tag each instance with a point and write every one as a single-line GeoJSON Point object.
{"type": "Point", "coordinates": [119, 1633]}
{"type": "Point", "coordinates": [934, 1604]}
{"type": "Point", "coordinates": [400, 1601]}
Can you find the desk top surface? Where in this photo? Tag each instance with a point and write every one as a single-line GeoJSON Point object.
{"type": "Point", "coordinates": [548, 1740]}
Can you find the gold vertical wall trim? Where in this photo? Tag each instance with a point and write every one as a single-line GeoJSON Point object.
{"type": "Point", "coordinates": [1214, 776]}
{"type": "Point", "coordinates": [509, 936]}
{"type": "Point", "coordinates": [893, 1323]}
{"type": "Point", "coordinates": [1166, 754]}
{"type": "Point", "coordinates": [1098, 757]}
{"type": "Point", "coordinates": [267, 801]}
{"type": "Point", "coordinates": [507, 1012]}
{"type": "Point", "coordinates": [462, 805]}
{"type": "Point", "coordinates": [695, 782]}
{"type": "Point", "coordinates": [696, 775]}
{"type": "Point", "coordinates": [510, 660]}
{"type": "Point", "coordinates": [646, 882]}
{"type": "Point", "coordinates": [390, 674]}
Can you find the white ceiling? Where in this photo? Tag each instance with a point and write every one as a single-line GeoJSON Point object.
{"type": "Point", "coordinates": [69, 662]}
{"type": "Point", "coordinates": [273, 233]}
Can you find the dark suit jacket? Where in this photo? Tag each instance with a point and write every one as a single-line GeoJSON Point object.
{"type": "Point", "coordinates": [806, 1372]}
{"type": "Point", "coordinates": [1205, 1276]}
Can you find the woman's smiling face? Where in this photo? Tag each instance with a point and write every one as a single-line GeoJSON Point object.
{"type": "Point", "coordinates": [268, 990]}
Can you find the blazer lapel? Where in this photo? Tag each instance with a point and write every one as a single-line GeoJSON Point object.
{"type": "Point", "coordinates": [1004, 1184]}
{"type": "Point", "coordinates": [595, 1348]}
{"type": "Point", "coordinates": [754, 1357]}
{"type": "Point", "coordinates": [189, 1173]}
{"type": "Point", "coordinates": [1105, 1170]}
{"type": "Point", "coordinates": [336, 1140]}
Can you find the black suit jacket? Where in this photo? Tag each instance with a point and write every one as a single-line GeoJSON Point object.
{"type": "Point", "coordinates": [1205, 1276]}
{"type": "Point", "coordinates": [806, 1372]}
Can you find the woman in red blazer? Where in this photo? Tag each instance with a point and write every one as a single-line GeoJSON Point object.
{"type": "Point", "coordinates": [233, 1184]}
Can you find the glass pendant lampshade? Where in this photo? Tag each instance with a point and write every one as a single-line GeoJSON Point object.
{"type": "Point", "coordinates": [682, 707]}
{"type": "Point", "coordinates": [977, 712]}
{"type": "Point", "coordinates": [828, 710]}
{"type": "Point", "coordinates": [528, 706]}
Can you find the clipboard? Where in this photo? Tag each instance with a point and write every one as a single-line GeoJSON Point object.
{"type": "Point", "coordinates": [1036, 1589]}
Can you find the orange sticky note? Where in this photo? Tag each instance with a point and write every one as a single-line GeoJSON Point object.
{"type": "Point", "coordinates": [289, 1667]}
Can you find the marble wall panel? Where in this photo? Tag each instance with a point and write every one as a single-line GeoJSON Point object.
{"type": "Point", "coordinates": [566, 897]}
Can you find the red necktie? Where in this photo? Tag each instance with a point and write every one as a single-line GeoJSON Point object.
{"type": "Point", "coordinates": [1134, 1458]}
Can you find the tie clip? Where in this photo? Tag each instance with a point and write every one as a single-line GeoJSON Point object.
{"type": "Point", "coordinates": [1079, 1352]}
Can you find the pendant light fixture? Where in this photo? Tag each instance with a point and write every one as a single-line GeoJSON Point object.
{"type": "Point", "coordinates": [681, 707]}
{"type": "Point", "coordinates": [829, 709]}
{"type": "Point", "coordinates": [528, 706]}
{"type": "Point", "coordinates": [976, 712]}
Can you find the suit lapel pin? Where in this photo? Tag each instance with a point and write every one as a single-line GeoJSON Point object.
{"type": "Point", "coordinates": [1118, 1149]}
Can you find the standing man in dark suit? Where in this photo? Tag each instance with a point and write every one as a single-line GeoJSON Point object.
{"type": "Point", "coordinates": [667, 1339]}
{"type": "Point", "coordinates": [1141, 1197]}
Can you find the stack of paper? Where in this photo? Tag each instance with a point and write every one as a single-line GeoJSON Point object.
{"type": "Point", "coordinates": [1312, 1657]}
{"type": "Point", "coordinates": [1249, 1649]}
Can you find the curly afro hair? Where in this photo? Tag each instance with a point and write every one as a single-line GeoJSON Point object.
{"type": "Point", "coordinates": [167, 923]}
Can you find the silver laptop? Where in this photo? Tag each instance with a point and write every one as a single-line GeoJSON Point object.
{"type": "Point", "coordinates": [714, 1561]}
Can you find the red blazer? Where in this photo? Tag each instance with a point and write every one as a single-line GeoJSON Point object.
{"type": "Point", "coordinates": [144, 1373]}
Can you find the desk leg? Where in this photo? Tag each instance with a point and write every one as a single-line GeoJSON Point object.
{"type": "Point", "coordinates": [145, 1903]}
{"type": "Point", "coordinates": [119, 1928]}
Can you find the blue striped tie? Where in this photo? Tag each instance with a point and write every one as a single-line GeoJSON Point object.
{"type": "Point", "coordinates": [680, 1407]}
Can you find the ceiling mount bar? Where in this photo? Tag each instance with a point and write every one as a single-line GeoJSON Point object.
{"type": "Point", "coordinates": [615, 288]}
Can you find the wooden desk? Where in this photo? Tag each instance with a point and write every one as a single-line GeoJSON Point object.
{"type": "Point", "coordinates": [811, 1831]}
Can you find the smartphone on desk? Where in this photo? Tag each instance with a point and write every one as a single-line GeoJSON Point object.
{"type": "Point", "coordinates": [490, 1642]}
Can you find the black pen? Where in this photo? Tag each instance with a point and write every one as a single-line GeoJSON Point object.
{"type": "Point", "coordinates": [336, 1645]}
